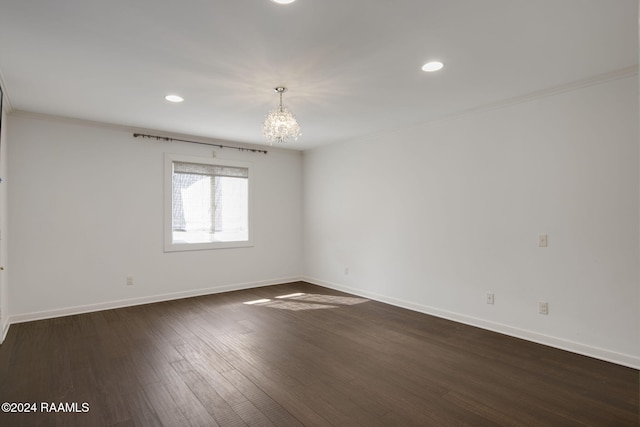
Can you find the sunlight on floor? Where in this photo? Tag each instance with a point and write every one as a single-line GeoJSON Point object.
{"type": "Point", "coordinates": [290, 295]}
{"type": "Point", "coordinates": [258, 301]}
{"type": "Point", "coordinates": [300, 301]}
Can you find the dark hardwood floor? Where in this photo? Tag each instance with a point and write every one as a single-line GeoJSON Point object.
{"type": "Point", "coordinates": [322, 358]}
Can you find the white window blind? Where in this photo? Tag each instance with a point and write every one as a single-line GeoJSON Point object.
{"type": "Point", "coordinates": [209, 204]}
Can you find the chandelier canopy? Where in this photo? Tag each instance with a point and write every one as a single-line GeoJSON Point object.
{"type": "Point", "coordinates": [280, 124]}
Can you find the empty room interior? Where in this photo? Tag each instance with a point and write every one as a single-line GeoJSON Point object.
{"type": "Point", "coordinates": [319, 213]}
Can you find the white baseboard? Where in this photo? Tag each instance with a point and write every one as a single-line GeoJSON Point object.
{"type": "Point", "coordinates": [574, 347]}
{"type": "Point", "coordinates": [69, 311]}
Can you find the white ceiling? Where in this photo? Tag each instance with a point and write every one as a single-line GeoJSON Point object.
{"type": "Point", "coordinates": [353, 67]}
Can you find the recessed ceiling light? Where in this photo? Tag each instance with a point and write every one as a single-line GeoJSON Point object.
{"type": "Point", "coordinates": [174, 98]}
{"type": "Point", "coordinates": [432, 66]}
{"type": "Point", "coordinates": [283, 1]}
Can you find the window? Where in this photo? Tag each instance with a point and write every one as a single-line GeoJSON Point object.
{"type": "Point", "coordinates": [206, 203]}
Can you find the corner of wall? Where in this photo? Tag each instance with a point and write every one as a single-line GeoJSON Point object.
{"type": "Point", "coordinates": [4, 325]}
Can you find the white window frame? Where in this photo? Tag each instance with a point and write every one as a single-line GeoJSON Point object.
{"type": "Point", "coordinates": [169, 245]}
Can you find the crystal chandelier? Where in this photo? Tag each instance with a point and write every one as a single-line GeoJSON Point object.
{"type": "Point", "coordinates": [280, 125]}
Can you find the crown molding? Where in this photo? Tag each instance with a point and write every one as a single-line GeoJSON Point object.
{"type": "Point", "coordinates": [622, 73]}
{"type": "Point", "coordinates": [531, 96]}
{"type": "Point", "coordinates": [599, 79]}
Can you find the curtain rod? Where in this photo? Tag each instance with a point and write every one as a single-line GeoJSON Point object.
{"type": "Point", "coordinates": [166, 138]}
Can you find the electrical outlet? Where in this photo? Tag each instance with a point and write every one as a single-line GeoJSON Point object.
{"type": "Point", "coordinates": [490, 298]}
{"type": "Point", "coordinates": [543, 307]}
{"type": "Point", "coordinates": [346, 271]}
{"type": "Point", "coordinates": [543, 240]}
{"type": "Point", "coordinates": [129, 280]}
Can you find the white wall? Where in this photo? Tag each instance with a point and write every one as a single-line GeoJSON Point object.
{"type": "Point", "coordinates": [435, 216]}
{"type": "Point", "coordinates": [86, 211]}
{"type": "Point", "coordinates": [4, 276]}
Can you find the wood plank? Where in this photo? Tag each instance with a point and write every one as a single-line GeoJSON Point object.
{"type": "Point", "coordinates": [323, 358]}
